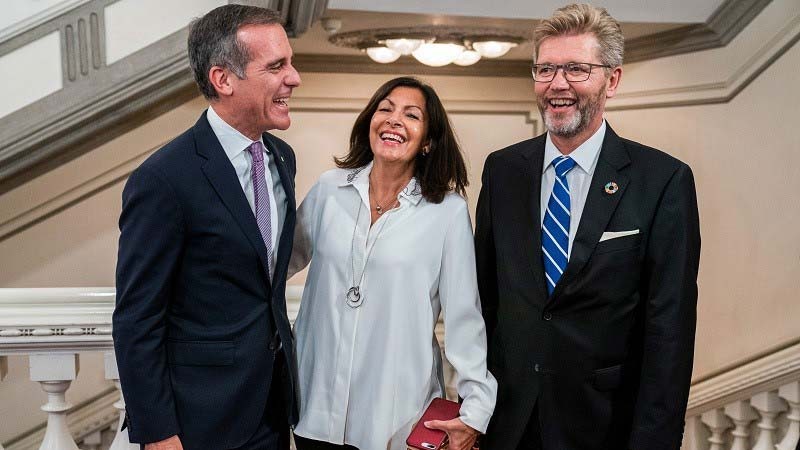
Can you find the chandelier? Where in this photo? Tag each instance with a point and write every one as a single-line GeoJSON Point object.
{"type": "Point", "coordinates": [433, 45]}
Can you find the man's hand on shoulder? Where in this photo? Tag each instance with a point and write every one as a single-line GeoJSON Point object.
{"type": "Point", "coordinates": [171, 443]}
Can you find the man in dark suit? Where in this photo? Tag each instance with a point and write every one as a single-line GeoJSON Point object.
{"type": "Point", "coordinates": [201, 334]}
{"type": "Point", "coordinates": [587, 252]}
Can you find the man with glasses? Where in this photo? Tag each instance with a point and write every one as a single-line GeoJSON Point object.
{"type": "Point", "coordinates": [587, 252]}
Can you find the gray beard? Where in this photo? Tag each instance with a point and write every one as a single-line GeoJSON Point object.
{"type": "Point", "coordinates": [580, 120]}
{"type": "Point", "coordinates": [569, 129]}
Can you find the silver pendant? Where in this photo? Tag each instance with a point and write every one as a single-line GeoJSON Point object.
{"type": "Point", "coordinates": [354, 298]}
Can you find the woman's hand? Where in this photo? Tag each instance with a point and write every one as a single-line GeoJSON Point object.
{"type": "Point", "coordinates": [461, 435]}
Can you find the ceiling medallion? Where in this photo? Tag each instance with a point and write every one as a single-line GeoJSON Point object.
{"type": "Point", "coordinates": [432, 45]}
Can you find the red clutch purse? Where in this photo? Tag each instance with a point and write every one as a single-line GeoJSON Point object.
{"type": "Point", "coordinates": [422, 438]}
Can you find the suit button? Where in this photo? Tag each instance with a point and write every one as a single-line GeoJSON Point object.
{"type": "Point", "coordinates": [536, 367]}
{"type": "Point", "coordinates": [273, 345]}
{"type": "Point", "coordinates": [547, 316]}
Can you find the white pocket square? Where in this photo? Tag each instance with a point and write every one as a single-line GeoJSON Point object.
{"type": "Point", "coordinates": [617, 234]}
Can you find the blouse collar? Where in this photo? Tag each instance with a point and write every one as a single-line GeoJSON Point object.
{"type": "Point", "coordinates": [359, 179]}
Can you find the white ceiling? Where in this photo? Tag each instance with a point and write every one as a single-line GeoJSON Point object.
{"type": "Point", "coordinates": [315, 40]}
{"type": "Point", "coordinates": [655, 11]}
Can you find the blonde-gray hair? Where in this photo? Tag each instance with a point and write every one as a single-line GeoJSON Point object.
{"type": "Point", "coordinates": [583, 18]}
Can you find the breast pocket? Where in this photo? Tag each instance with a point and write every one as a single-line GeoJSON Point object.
{"type": "Point", "coordinates": [620, 243]}
{"type": "Point", "coordinates": [200, 353]}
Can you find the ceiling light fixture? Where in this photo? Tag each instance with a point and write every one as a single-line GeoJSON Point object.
{"type": "Point", "coordinates": [434, 46]}
{"type": "Point", "coordinates": [404, 46]}
{"type": "Point", "coordinates": [383, 55]}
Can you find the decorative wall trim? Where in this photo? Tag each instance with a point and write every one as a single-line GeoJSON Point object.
{"type": "Point", "coordinates": [730, 18]}
{"type": "Point", "coordinates": [122, 96]}
{"type": "Point", "coordinates": [100, 101]}
{"type": "Point", "coordinates": [95, 414]}
{"type": "Point", "coordinates": [722, 90]}
{"type": "Point", "coordinates": [40, 18]}
{"type": "Point", "coordinates": [760, 375]}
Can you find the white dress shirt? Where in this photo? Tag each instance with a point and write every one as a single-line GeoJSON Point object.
{"type": "Point", "coordinates": [368, 373]}
{"type": "Point", "coordinates": [579, 178]}
{"type": "Point", "coordinates": [235, 145]}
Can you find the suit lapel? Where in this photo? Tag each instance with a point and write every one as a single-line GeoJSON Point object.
{"type": "Point", "coordinates": [599, 206]}
{"type": "Point", "coordinates": [287, 182]}
{"type": "Point", "coordinates": [532, 180]}
{"type": "Point", "coordinates": [222, 176]}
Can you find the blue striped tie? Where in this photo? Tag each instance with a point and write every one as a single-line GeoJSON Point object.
{"type": "Point", "coordinates": [555, 227]}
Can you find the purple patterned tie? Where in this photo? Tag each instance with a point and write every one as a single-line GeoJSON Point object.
{"type": "Point", "coordinates": [261, 197]}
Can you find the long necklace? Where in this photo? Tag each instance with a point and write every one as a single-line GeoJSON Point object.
{"type": "Point", "coordinates": [354, 297]}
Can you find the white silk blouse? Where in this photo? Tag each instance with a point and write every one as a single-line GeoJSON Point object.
{"type": "Point", "coordinates": [366, 373]}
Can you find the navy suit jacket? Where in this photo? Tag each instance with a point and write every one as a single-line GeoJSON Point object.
{"type": "Point", "coordinates": [197, 317]}
{"type": "Point", "coordinates": [608, 356]}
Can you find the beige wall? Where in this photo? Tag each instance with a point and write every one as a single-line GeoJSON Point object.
{"type": "Point", "coordinates": [745, 154]}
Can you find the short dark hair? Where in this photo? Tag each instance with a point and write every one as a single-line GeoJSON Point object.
{"type": "Point", "coordinates": [213, 41]}
{"type": "Point", "coordinates": [440, 171]}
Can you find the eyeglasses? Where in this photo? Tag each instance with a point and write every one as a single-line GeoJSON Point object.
{"type": "Point", "coordinates": [573, 72]}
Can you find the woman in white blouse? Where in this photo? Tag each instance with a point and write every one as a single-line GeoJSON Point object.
{"type": "Point", "coordinates": [389, 238]}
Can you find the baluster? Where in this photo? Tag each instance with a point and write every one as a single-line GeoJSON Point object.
{"type": "Point", "coordinates": [3, 372]}
{"type": "Point", "coordinates": [121, 441]}
{"type": "Point", "coordinates": [93, 440]}
{"type": "Point", "coordinates": [769, 405]}
{"type": "Point", "coordinates": [108, 435]}
{"type": "Point", "coordinates": [55, 373]}
{"type": "Point", "coordinates": [742, 414]}
{"type": "Point", "coordinates": [694, 434]}
{"type": "Point", "coordinates": [717, 423]}
{"type": "Point", "coordinates": [791, 393]}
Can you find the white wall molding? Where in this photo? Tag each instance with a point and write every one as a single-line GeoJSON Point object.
{"type": "Point", "coordinates": [760, 375]}
{"type": "Point", "coordinates": [40, 18]}
{"type": "Point", "coordinates": [101, 98]}
{"type": "Point", "coordinates": [712, 76]}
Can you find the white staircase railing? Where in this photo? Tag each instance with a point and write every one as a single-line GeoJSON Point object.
{"type": "Point", "coordinates": [52, 326]}
{"type": "Point", "coordinates": [755, 406]}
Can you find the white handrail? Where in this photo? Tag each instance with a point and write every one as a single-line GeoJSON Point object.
{"type": "Point", "coordinates": [55, 319]}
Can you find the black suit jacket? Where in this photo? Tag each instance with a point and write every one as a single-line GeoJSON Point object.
{"type": "Point", "coordinates": [196, 314]}
{"type": "Point", "coordinates": [607, 357]}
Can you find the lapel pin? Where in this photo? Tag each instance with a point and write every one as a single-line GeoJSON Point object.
{"type": "Point", "coordinates": [611, 188]}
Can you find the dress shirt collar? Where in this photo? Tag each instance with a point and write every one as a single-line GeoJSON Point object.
{"type": "Point", "coordinates": [585, 155]}
{"type": "Point", "coordinates": [359, 178]}
{"type": "Point", "coordinates": [232, 141]}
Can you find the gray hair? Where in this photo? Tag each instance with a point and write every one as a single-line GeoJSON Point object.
{"type": "Point", "coordinates": [213, 42]}
{"type": "Point", "coordinates": [584, 18]}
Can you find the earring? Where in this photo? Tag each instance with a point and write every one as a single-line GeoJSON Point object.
{"type": "Point", "coordinates": [426, 150]}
